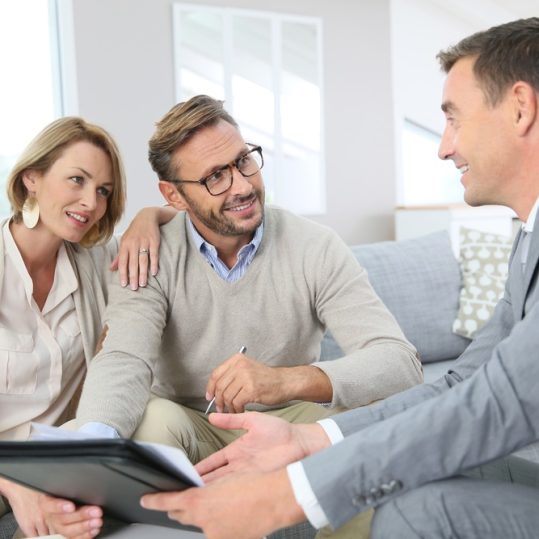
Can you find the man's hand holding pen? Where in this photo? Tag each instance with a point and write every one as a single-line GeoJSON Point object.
{"type": "Point", "coordinates": [241, 380]}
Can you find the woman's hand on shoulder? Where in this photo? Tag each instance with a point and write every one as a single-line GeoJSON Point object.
{"type": "Point", "coordinates": [138, 255]}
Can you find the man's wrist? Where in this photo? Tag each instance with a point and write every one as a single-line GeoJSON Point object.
{"type": "Point", "coordinates": [312, 438]}
{"type": "Point", "coordinates": [290, 511]}
{"type": "Point", "coordinates": [332, 430]}
{"type": "Point", "coordinates": [307, 383]}
{"type": "Point", "coordinates": [304, 495]}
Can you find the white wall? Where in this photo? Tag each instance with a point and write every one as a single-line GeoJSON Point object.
{"type": "Point", "coordinates": [123, 56]}
{"type": "Point", "coordinates": [123, 51]}
{"type": "Point", "coordinates": [379, 67]}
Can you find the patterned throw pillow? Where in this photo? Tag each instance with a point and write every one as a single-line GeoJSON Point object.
{"type": "Point", "coordinates": [484, 261]}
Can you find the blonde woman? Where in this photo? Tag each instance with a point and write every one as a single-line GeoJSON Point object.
{"type": "Point", "coordinates": [67, 193]}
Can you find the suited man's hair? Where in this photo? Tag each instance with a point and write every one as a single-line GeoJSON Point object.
{"type": "Point", "coordinates": [504, 55]}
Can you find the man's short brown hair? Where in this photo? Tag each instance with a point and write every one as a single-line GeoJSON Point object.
{"type": "Point", "coordinates": [504, 55]}
{"type": "Point", "coordinates": [179, 125]}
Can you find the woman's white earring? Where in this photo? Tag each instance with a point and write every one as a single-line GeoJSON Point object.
{"type": "Point", "coordinates": [30, 212]}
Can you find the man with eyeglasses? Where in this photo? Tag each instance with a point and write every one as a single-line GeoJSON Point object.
{"type": "Point", "coordinates": [238, 309]}
{"type": "Point", "coordinates": [236, 275]}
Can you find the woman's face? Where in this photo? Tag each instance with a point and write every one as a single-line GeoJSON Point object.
{"type": "Point", "coordinates": [73, 194]}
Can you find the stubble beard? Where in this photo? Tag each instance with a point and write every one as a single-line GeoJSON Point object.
{"type": "Point", "coordinates": [220, 224]}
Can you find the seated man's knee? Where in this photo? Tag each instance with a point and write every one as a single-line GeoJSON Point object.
{"type": "Point", "coordinates": [168, 423]}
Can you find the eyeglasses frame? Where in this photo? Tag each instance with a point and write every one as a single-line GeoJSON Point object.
{"type": "Point", "coordinates": [230, 166]}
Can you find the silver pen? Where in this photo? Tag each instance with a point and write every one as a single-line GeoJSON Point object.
{"type": "Point", "coordinates": [243, 349]}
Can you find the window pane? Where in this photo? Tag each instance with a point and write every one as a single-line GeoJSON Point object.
{"type": "Point", "coordinates": [200, 52]}
{"type": "Point", "coordinates": [301, 177]}
{"type": "Point", "coordinates": [300, 89]}
{"type": "Point", "coordinates": [267, 67]}
{"type": "Point", "coordinates": [27, 89]}
{"type": "Point", "coordinates": [427, 179]}
{"type": "Point", "coordinates": [251, 69]}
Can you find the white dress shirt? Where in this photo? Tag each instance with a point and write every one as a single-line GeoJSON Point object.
{"type": "Point", "coordinates": [41, 354]}
{"type": "Point", "coordinates": [527, 229]}
{"type": "Point", "coordinates": [300, 484]}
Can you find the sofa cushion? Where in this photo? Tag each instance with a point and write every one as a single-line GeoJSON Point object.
{"type": "Point", "coordinates": [484, 259]}
{"type": "Point", "coordinates": [419, 281]}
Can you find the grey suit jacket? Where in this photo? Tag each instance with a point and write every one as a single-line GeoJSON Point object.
{"type": "Point", "coordinates": [486, 407]}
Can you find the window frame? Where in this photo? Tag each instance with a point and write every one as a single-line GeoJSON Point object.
{"type": "Point", "coordinates": [276, 20]}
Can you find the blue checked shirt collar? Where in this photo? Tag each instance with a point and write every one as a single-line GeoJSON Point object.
{"type": "Point", "coordinates": [245, 254]}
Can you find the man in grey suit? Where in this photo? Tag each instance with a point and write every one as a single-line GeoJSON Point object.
{"type": "Point", "coordinates": [409, 456]}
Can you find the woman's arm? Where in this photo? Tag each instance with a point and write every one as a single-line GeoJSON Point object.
{"type": "Point", "coordinates": [25, 504]}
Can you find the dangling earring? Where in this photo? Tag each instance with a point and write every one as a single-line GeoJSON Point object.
{"type": "Point", "coordinates": [30, 212]}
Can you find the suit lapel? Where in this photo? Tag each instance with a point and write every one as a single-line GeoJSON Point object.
{"type": "Point", "coordinates": [531, 266]}
{"type": "Point", "coordinates": [516, 278]}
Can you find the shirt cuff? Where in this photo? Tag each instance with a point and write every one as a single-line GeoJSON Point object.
{"type": "Point", "coordinates": [99, 430]}
{"type": "Point", "coordinates": [305, 496]}
{"type": "Point", "coordinates": [333, 431]}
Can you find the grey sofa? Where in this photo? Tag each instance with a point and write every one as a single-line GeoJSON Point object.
{"type": "Point", "coordinates": [419, 281]}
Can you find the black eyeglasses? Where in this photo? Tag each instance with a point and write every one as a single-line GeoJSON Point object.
{"type": "Point", "coordinates": [220, 181]}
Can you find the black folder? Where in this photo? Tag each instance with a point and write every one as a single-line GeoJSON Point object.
{"type": "Point", "coordinates": [113, 474]}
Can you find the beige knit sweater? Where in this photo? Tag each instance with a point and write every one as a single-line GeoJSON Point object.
{"type": "Point", "coordinates": [168, 337]}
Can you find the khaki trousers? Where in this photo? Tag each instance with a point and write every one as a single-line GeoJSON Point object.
{"type": "Point", "coordinates": [7, 528]}
{"type": "Point", "coordinates": [169, 423]}
{"type": "Point", "coordinates": [357, 528]}
{"type": "Point", "coordinates": [4, 508]}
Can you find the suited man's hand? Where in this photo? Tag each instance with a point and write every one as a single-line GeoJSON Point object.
{"type": "Point", "coordinates": [243, 506]}
{"type": "Point", "coordinates": [269, 444]}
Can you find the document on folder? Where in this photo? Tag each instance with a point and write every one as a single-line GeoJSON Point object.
{"type": "Point", "coordinates": [111, 473]}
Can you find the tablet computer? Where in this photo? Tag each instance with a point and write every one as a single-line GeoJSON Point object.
{"type": "Point", "coordinates": [111, 473]}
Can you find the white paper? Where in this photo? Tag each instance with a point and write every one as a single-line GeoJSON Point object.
{"type": "Point", "coordinates": [176, 458]}
{"type": "Point", "coordinates": [172, 455]}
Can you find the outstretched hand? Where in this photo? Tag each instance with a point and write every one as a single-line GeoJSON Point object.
{"type": "Point", "coordinates": [246, 506]}
{"type": "Point", "coordinates": [269, 444]}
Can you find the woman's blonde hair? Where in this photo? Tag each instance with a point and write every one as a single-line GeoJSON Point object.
{"type": "Point", "coordinates": [43, 152]}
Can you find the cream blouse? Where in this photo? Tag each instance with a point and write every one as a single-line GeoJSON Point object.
{"type": "Point", "coordinates": [41, 353]}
